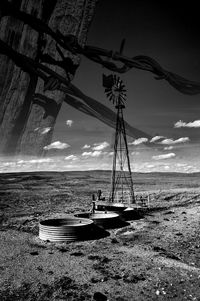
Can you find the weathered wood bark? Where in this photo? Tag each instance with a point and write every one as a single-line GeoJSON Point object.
{"type": "Point", "coordinates": [25, 108]}
{"type": "Point", "coordinates": [14, 83]}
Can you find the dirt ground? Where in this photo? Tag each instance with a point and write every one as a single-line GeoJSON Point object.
{"type": "Point", "coordinates": [156, 257]}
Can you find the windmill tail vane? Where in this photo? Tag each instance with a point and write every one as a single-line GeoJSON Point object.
{"type": "Point", "coordinates": [108, 81]}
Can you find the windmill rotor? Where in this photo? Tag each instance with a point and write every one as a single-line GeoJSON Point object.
{"type": "Point", "coordinates": [114, 89]}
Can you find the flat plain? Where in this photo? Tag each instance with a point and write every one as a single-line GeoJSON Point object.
{"type": "Point", "coordinates": [156, 257]}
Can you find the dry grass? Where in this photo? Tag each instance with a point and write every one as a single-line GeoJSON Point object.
{"type": "Point", "coordinates": [154, 258]}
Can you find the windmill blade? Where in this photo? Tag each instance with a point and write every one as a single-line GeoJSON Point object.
{"type": "Point", "coordinates": [110, 97]}
{"type": "Point", "coordinates": [123, 96]}
{"type": "Point", "coordinates": [119, 88]}
{"type": "Point", "coordinates": [109, 93]}
{"type": "Point", "coordinates": [116, 80]}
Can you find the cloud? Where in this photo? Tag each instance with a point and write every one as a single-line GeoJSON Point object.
{"type": "Point", "coordinates": [150, 165]}
{"type": "Point", "coordinates": [156, 138]}
{"type": "Point", "coordinates": [181, 164]}
{"type": "Point", "coordinates": [25, 164]}
{"type": "Point", "coordinates": [69, 122]}
{"type": "Point", "coordinates": [86, 146]}
{"type": "Point", "coordinates": [165, 156]}
{"type": "Point", "coordinates": [96, 153]}
{"type": "Point", "coordinates": [166, 167]}
{"type": "Point", "coordinates": [35, 161]}
{"type": "Point", "coordinates": [171, 141]}
{"type": "Point", "coordinates": [8, 164]}
{"type": "Point", "coordinates": [168, 147]}
{"type": "Point", "coordinates": [138, 141]}
{"type": "Point", "coordinates": [56, 145]}
{"type": "Point", "coordinates": [86, 154]}
{"type": "Point", "coordinates": [42, 160]}
{"type": "Point", "coordinates": [135, 153]}
{"type": "Point", "coordinates": [182, 124]}
{"type": "Point", "coordinates": [71, 157]}
{"type": "Point", "coordinates": [100, 146]}
{"type": "Point", "coordinates": [43, 131]}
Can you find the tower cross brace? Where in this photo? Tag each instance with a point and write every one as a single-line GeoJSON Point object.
{"type": "Point", "coordinates": [121, 179]}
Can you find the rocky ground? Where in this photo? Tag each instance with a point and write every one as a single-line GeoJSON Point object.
{"type": "Point", "coordinates": [154, 258]}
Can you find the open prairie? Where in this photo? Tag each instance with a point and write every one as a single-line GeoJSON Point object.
{"type": "Point", "coordinates": [156, 257]}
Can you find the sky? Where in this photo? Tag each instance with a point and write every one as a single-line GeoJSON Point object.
{"type": "Point", "coordinates": [166, 31]}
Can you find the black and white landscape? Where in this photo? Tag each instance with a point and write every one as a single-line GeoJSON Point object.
{"type": "Point", "coordinates": [153, 257]}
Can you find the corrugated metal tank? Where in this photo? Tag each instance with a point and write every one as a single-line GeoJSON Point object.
{"type": "Point", "coordinates": [65, 229]}
{"type": "Point", "coordinates": [104, 219]}
{"type": "Point", "coordinates": [131, 213]}
{"type": "Point", "coordinates": [114, 207]}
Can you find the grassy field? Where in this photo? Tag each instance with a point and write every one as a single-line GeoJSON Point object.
{"type": "Point", "coordinates": [154, 258]}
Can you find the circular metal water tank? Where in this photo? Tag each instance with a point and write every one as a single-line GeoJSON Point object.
{"type": "Point", "coordinates": [65, 229]}
{"type": "Point", "coordinates": [104, 219]}
{"type": "Point", "coordinates": [114, 207]}
{"type": "Point", "coordinates": [132, 213]}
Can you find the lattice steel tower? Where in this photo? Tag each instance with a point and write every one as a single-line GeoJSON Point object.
{"type": "Point", "coordinates": [121, 181]}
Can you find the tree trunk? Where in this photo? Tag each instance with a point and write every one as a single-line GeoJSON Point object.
{"type": "Point", "coordinates": [28, 114]}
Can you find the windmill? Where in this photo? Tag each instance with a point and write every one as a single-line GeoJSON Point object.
{"type": "Point", "coordinates": [121, 180]}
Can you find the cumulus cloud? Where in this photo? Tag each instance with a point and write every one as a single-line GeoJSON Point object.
{"type": "Point", "coordinates": [166, 167]}
{"type": "Point", "coordinates": [135, 153]}
{"type": "Point", "coordinates": [43, 131]}
{"type": "Point", "coordinates": [182, 124]}
{"type": "Point", "coordinates": [69, 122]}
{"type": "Point", "coordinates": [96, 153]}
{"type": "Point", "coordinates": [71, 158]}
{"type": "Point", "coordinates": [181, 164]}
{"type": "Point", "coordinates": [35, 161]}
{"type": "Point", "coordinates": [56, 145]}
{"type": "Point", "coordinates": [86, 154]}
{"type": "Point", "coordinates": [171, 141]}
{"type": "Point", "coordinates": [86, 146]}
{"type": "Point", "coordinates": [138, 141]}
{"type": "Point", "coordinates": [100, 146]}
{"type": "Point", "coordinates": [150, 165]}
{"type": "Point", "coordinates": [168, 147]}
{"type": "Point", "coordinates": [8, 164]}
{"type": "Point", "coordinates": [165, 156]}
{"type": "Point", "coordinates": [156, 138]}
